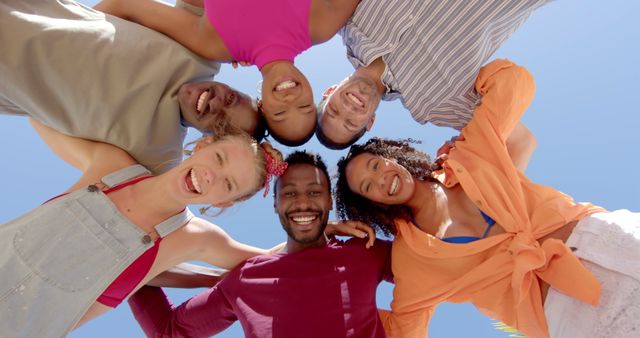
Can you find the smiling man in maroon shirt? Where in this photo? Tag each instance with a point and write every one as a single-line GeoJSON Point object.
{"type": "Point", "coordinates": [319, 287]}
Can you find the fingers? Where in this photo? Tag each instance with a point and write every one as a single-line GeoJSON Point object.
{"type": "Point", "coordinates": [445, 148]}
{"type": "Point", "coordinates": [441, 158]}
{"type": "Point", "coordinates": [352, 228]}
{"type": "Point", "coordinates": [235, 64]}
{"type": "Point", "coordinates": [370, 233]}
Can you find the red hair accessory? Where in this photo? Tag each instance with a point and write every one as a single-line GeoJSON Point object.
{"type": "Point", "coordinates": [273, 168]}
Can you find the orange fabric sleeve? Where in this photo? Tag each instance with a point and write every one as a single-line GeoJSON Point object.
{"type": "Point", "coordinates": [507, 91]}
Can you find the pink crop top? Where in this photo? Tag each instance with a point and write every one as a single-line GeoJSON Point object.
{"type": "Point", "coordinates": [124, 284]}
{"type": "Point", "coordinates": [259, 31]}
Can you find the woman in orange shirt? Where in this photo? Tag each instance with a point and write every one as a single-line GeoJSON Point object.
{"type": "Point", "coordinates": [477, 230]}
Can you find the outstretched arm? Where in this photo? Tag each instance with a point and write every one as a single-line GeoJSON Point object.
{"type": "Point", "coordinates": [521, 144]}
{"type": "Point", "coordinates": [215, 246]}
{"type": "Point", "coordinates": [94, 159]}
{"type": "Point", "coordinates": [190, 30]}
{"type": "Point", "coordinates": [201, 316]}
{"type": "Point", "coordinates": [187, 275]}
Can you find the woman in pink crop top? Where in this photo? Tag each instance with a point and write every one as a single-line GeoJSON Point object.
{"type": "Point", "coordinates": [268, 34]}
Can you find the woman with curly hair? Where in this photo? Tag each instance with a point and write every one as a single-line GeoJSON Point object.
{"type": "Point", "coordinates": [477, 230]}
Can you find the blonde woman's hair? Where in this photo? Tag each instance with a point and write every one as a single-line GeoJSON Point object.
{"type": "Point", "coordinates": [230, 132]}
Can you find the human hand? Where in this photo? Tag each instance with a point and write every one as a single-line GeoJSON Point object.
{"type": "Point", "coordinates": [351, 228]}
{"type": "Point", "coordinates": [235, 64]}
{"type": "Point", "coordinates": [443, 153]}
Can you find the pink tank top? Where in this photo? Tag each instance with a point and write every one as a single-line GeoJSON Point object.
{"type": "Point", "coordinates": [261, 31]}
{"type": "Point", "coordinates": [122, 286]}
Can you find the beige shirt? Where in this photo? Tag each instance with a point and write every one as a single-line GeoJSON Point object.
{"type": "Point", "coordinates": [96, 76]}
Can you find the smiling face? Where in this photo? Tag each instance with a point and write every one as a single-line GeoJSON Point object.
{"type": "Point", "coordinates": [287, 102]}
{"type": "Point", "coordinates": [303, 201]}
{"type": "Point", "coordinates": [217, 172]}
{"type": "Point", "coordinates": [349, 109]}
{"type": "Point", "coordinates": [206, 104]}
{"type": "Point", "coordinates": [379, 179]}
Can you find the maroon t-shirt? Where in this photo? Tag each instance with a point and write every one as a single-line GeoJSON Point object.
{"type": "Point", "coordinates": [317, 292]}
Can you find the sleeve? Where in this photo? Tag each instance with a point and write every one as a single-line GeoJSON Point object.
{"type": "Point", "coordinates": [385, 251]}
{"type": "Point", "coordinates": [408, 324]}
{"type": "Point", "coordinates": [201, 316]}
{"type": "Point", "coordinates": [507, 91]}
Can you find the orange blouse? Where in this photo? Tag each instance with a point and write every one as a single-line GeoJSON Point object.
{"type": "Point", "coordinates": [500, 274]}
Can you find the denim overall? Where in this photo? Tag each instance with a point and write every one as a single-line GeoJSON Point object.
{"type": "Point", "coordinates": [57, 259]}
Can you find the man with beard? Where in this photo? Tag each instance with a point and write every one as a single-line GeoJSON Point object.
{"type": "Point", "coordinates": [94, 76]}
{"type": "Point", "coordinates": [319, 287]}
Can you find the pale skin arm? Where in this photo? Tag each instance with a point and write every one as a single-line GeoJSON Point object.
{"type": "Point", "coordinates": [94, 159]}
{"type": "Point", "coordinates": [197, 3]}
{"type": "Point", "coordinates": [187, 275]}
{"type": "Point", "coordinates": [188, 29]}
{"type": "Point", "coordinates": [520, 144]}
{"type": "Point", "coordinates": [198, 240]}
{"type": "Point", "coordinates": [216, 247]}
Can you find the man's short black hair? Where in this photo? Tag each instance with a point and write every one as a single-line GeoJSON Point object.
{"type": "Point", "coordinates": [305, 157]}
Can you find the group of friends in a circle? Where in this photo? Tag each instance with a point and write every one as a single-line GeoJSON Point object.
{"type": "Point", "coordinates": [114, 98]}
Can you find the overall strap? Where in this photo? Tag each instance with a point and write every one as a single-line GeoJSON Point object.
{"type": "Point", "coordinates": [174, 222]}
{"type": "Point", "coordinates": [124, 175]}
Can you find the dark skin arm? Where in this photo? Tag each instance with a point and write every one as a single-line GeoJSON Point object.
{"type": "Point", "coordinates": [328, 16]}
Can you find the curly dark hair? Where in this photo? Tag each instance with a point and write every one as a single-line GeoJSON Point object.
{"type": "Point", "coordinates": [350, 205]}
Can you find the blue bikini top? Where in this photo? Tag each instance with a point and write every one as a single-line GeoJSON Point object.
{"type": "Point", "coordinates": [469, 239]}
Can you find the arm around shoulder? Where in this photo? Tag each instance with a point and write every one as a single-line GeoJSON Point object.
{"type": "Point", "coordinates": [507, 91]}
{"type": "Point", "coordinates": [191, 30]}
{"type": "Point", "coordinates": [187, 275]}
{"type": "Point", "coordinates": [94, 159]}
{"type": "Point", "coordinates": [203, 315]}
{"type": "Point", "coordinates": [216, 247]}
{"type": "Point", "coordinates": [521, 144]}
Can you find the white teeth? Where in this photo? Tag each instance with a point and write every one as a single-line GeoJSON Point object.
{"type": "Point", "coordinates": [194, 181]}
{"type": "Point", "coordinates": [304, 219]}
{"type": "Point", "coordinates": [394, 185]}
{"type": "Point", "coordinates": [201, 100]}
{"type": "Point", "coordinates": [355, 99]}
{"type": "Point", "coordinates": [285, 85]}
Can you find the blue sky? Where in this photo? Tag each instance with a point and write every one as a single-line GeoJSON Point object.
{"type": "Point", "coordinates": [583, 55]}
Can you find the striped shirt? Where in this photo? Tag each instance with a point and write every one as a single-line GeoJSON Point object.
{"type": "Point", "coordinates": [433, 50]}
